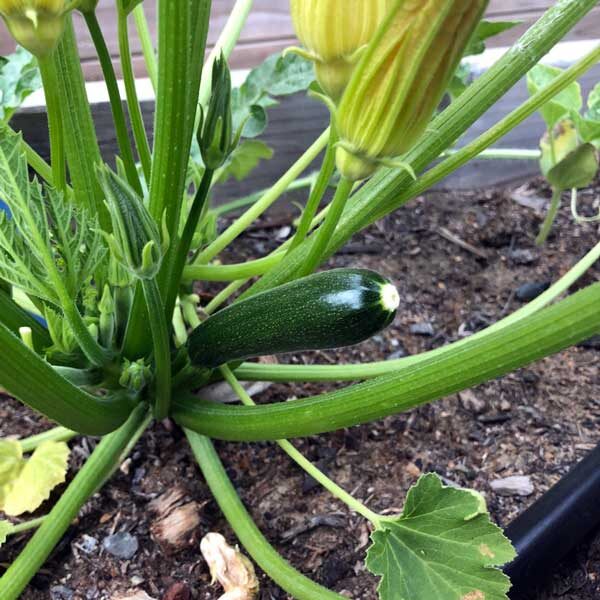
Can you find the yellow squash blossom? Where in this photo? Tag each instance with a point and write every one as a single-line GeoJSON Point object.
{"type": "Point", "coordinates": [35, 24]}
{"type": "Point", "coordinates": [333, 33]}
{"type": "Point", "coordinates": [400, 81]}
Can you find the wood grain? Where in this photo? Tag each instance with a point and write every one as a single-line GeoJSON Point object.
{"type": "Point", "coordinates": [269, 29]}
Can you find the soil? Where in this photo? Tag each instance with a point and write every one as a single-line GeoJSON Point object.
{"type": "Point", "coordinates": [536, 422]}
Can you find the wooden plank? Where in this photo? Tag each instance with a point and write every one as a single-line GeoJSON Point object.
{"type": "Point", "coordinates": [269, 29]}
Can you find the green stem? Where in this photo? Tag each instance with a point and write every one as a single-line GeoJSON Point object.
{"type": "Point", "coordinates": [245, 220]}
{"type": "Point", "coordinates": [292, 581]}
{"type": "Point", "coordinates": [317, 192]}
{"type": "Point", "coordinates": [547, 332]}
{"type": "Point", "coordinates": [58, 434]}
{"type": "Point", "coordinates": [286, 373]}
{"type": "Point", "coordinates": [116, 104]}
{"type": "Point", "coordinates": [55, 124]}
{"type": "Point", "coordinates": [540, 240]}
{"type": "Point", "coordinates": [133, 104]}
{"type": "Point", "coordinates": [141, 24]}
{"type": "Point", "coordinates": [252, 268]}
{"type": "Point", "coordinates": [323, 234]}
{"type": "Point", "coordinates": [162, 351]}
{"type": "Point", "coordinates": [299, 184]}
{"type": "Point", "coordinates": [38, 164]}
{"type": "Point", "coordinates": [223, 296]}
{"type": "Point", "coordinates": [85, 483]}
{"type": "Point", "coordinates": [27, 525]}
{"type": "Point", "coordinates": [501, 154]}
{"type": "Point", "coordinates": [185, 242]}
{"type": "Point", "coordinates": [301, 460]}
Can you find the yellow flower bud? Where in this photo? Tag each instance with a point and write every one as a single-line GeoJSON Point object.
{"type": "Point", "coordinates": [333, 31]}
{"type": "Point", "coordinates": [400, 81]}
{"type": "Point", "coordinates": [35, 24]}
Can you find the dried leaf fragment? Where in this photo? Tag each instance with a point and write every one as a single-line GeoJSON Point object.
{"type": "Point", "coordinates": [230, 568]}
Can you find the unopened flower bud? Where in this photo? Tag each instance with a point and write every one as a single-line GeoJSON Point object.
{"type": "Point", "coordinates": [333, 33]}
{"type": "Point", "coordinates": [400, 81]}
{"type": "Point", "coordinates": [135, 240]}
{"type": "Point", "coordinates": [37, 25]}
{"type": "Point", "coordinates": [216, 137]}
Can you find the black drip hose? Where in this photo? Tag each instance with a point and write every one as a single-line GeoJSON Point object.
{"type": "Point", "coordinates": [554, 525]}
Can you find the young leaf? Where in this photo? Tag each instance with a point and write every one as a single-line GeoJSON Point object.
{"type": "Point", "coordinates": [41, 473]}
{"type": "Point", "coordinates": [244, 159]}
{"type": "Point", "coordinates": [486, 30]}
{"type": "Point", "coordinates": [564, 104]}
{"type": "Point", "coordinates": [442, 546]}
{"type": "Point", "coordinates": [45, 232]}
{"type": "Point", "coordinates": [19, 77]}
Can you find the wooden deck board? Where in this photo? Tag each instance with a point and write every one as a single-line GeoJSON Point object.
{"type": "Point", "coordinates": [269, 29]}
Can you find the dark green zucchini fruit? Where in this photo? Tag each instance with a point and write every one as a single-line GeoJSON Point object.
{"type": "Point", "coordinates": [325, 310]}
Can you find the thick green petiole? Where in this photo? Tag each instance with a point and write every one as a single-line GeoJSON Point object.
{"type": "Point", "coordinates": [317, 192]}
{"type": "Point", "coordinates": [162, 350]}
{"type": "Point", "coordinates": [323, 234]}
{"type": "Point", "coordinates": [180, 256]}
{"type": "Point", "coordinates": [87, 481]}
{"type": "Point", "coordinates": [58, 434]}
{"type": "Point", "coordinates": [133, 104]}
{"type": "Point", "coordinates": [296, 584]}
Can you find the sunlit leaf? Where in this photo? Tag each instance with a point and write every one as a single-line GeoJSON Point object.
{"type": "Point", "coordinates": [565, 103]}
{"type": "Point", "coordinates": [11, 460]}
{"type": "Point", "coordinates": [593, 104]}
{"type": "Point", "coordinates": [442, 546]}
{"type": "Point", "coordinates": [46, 469]}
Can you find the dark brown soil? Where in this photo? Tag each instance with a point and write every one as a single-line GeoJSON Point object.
{"type": "Point", "coordinates": [538, 421]}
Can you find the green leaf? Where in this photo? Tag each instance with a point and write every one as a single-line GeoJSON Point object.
{"type": "Point", "coordinates": [564, 104]}
{"type": "Point", "coordinates": [277, 76]}
{"type": "Point", "coordinates": [6, 529]}
{"type": "Point", "coordinates": [19, 77]}
{"type": "Point", "coordinates": [244, 159]}
{"type": "Point", "coordinates": [442, 546]}
{"type": "Point", "coordinates": [577, 170]}
{"type": "Point", "coordinates": [44, 232]}
{"type": "Point", "coordinates": [486, 30]}
{"type": "Point", "coordinates": [46, 469]}
{"type": "Point", "coordinates": [593, 104]}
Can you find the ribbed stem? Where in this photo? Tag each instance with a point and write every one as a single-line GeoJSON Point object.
{"type": "Point", "coordinates": [133, 104]}
{"type": "Point", "coordinates": [116, 104]}
{"type": "Point", "coordinates": [162, 350]}
{"type": "Point", "coordinates": [85, 483]}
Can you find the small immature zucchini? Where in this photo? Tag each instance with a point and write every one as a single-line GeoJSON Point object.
{"type": "Point", "coordinates": [325, 310]}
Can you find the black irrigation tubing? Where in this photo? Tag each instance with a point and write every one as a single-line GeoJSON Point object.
{"type": "Point", "coordinates": [554, 526]}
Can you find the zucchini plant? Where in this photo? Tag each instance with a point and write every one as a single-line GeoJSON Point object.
{"type": "Point", "coordinates": [106, 258]}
